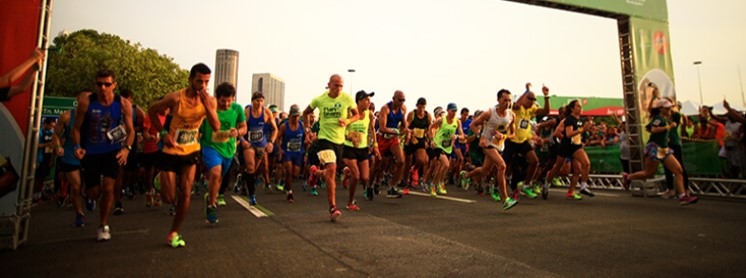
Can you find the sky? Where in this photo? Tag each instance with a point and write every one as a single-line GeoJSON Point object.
{"type": "Point", "coordinates": [444, 50]}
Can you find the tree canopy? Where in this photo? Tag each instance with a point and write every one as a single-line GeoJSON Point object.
{"type": "Point", "coordinates": [75, 58]}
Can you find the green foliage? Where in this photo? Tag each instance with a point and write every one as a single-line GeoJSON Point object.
{"type": "Point", "coordinates": [79, 55]}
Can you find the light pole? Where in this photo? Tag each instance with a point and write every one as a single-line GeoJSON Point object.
{"type": "Point", "coordinates": [740, 81]}
{"type": "Point", "coordinates": [699, 81]}
{"type": "Point", "coordinates": [351, 71]}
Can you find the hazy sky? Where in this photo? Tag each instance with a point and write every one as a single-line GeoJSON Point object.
{"type": "Point", "coordinates": [445, 50]}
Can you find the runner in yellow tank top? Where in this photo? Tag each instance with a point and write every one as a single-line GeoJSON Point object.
{"type": "Point", "coordinates": [525, 109]}
{"type": "Point", "coordinates": [181, 141]}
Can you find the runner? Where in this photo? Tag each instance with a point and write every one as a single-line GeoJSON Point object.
{"type": "Point", "coordinates": [97, 133]}
{"type": "Point", "coordinates": [498, 126]}
{"type": "Point", "coordinates": [127, 178]}
{"type": "Point", "coordinates": [655, 152]}
{"type": "Point", "coordinates": [257, 144]}
{"type": "Point", "coordinates": [525, 109]}
{"type": "Point", "coordinates": [292, 136]}
{"type": "Point", "coordinates": [334, 108]}
{"type": "Point", "coordinates": [357, 149]}
{"type": "Point", "coordinates": [391, 125]}
{"type": "Point", "coordinates": [448, 130]}
{"type": "Point", "coordinates": [219, 147]}
{"type": "Point", "coordinates": [571, 150]}
{"type": "Point", "coordinates": [181, 147]}
{"type": "Point", "coordinates": [418, 121]}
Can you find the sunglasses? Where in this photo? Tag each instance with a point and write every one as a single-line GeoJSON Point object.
{"type": "Point", "coordinates": [401, 99]}
{"type": "Point", "coordinates": [105, 84]}
{"type": "Point", "coordinates": [532, 99]}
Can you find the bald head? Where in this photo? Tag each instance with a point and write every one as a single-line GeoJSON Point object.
{"type": "Point", "coordinates": [398, 99]}
{"type": "Point", "coordinates": [529, 100]}
{"type": "Point", "coordinates": [335, 84]}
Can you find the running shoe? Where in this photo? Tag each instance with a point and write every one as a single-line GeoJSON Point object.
{"type": "Point", "coordinates": [688, 200]}
{"type": "Point", "coordinates": [90, 204]}
{"type": "Point", "coordinates": [211, 215]}
{"type": "Point", "coordinates": [496, 196]}
{"type": "Point", "coordinates": [509, 203]}
{"type": "Point", "coordinates": [464, 180]}
{"type": "Point", "coordinates": [118, 208]}
{"type": "Point", "coordinates": [103, 232]}
{"type": "Point", "coordinates": [376, 189]}
{"type": "Point", "coordinates": [334, 214]}
{"type": "Point", "coordinates": [157, 200]}
{"type": "Point", "coordinates": [393, 194]}
{"type": "Point", "coordinates": [290, 198]}
{"type": "Point", "coordinates": [314, 191]}
{"type": "Point", "coordinates": [252, 200]}
{"type": "Point", "coordinates": [625, 181]}
{"type": "Point", "coordinates": [528, 192]}
{"type": "Point", "coordinates": [353, 206]}
{"type": "Point", "coordinates": [312, 176]}
{"type": "Point", "coordinates": [148, 199]}
{"type": "Point", "coordinates": [221, 200]}
{"type": "Point", "coordinates": [587, 192]}
{"type": "Point", "coordinates": [171, 210]}
{"type": "Point", "coordinates": [79, 220]}
{"type": "Point", "coordinates": [405, 191]}
{"type": "Point", "coordinates": [433, 191]}
{"type": "Point", "coordinates": [442, 189]}
{"type": "Point", "coordinates": [537, 188]}
{"type": "Point", "coordinates": [574, 196]}
{"type": "Point", "coordinates": [368, 193]}
{"type": "Point", "coordinates": [557, 182]}
{"type": "Point", "coordinates": [545, 190]}
{"type": "Point", "coordinates": [175, 240]}
{"type": "Point", "coordinates": [280, 187]}
{"type": "Point", "coordinates": [480, 190]}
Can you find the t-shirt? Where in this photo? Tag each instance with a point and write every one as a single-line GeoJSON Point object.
{"type": "Point", "coordinates": [573, 122]}
{"type": "Point", "coordinates": [674, 137]}
{"type": "Point", "coordinates": [523, 116]}
{"type": "Point", "coordinates": [661, 138]}
{"type": "Point", "coordinates": [224, 144]}
{"type": "Point", "coordinates": [330, 111]}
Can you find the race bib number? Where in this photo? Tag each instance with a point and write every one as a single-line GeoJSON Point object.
{"type": "Point", "coordinates": [221, 136]}
{"type": "Point", "coordinates": [498, 143]}
{"type": "Point", "coordinates": [294, 145]}
{"type": "Point", "coordinates": [502, 128]}
{"type": "Point", "coordinates": [446, 143]}
{"type": "Point", "coordinates": [327, 156]}
{"type": "Point", "coordinates": [356, 136]}
{"type": "Point", "coordinates": [524, 124]}
{"type": "Point", "coordinates": [662, 153]}
{"type": "Point", "coordinates": [256, 135]}
{"type": "Point", "coordinates": [48, 150]}
{"type": "Point", "coordinates": [117, 134]}
{"type": "Point", "coordinates": [577, 139]}
{"type": "Point", "coordinates": [391, 135]}
{"type": "Point", "coordinates": [419, 132]}
{"type": "Point", "coordinates": [186, 136]}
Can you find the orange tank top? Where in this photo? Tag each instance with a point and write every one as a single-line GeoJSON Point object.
{"type": "Point", "coordinates": [185, 123]}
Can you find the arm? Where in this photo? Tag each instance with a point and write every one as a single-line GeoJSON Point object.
{"type": "Point", "coordinates": [280, 134]}
{"type": "Point", "coordinates": [128, 125]}
{"type": "Point", "coordinates": [306, 119]}
{"type": "Point", "coordinates": [733, 113]}
{"type": "Point", "coordinates": [383, 119]}
{"type": "Point", "coordinates": [547, 106]}
{"type": "Point", "coordinates": [138, 125]}
{"type": "Point", "coordinates": [211, 107]}
{"type": "Point", "coordinates": [241, 128]}
{"type": "Point", "coordinates": [273, 124]}
{"type": "Point", "coordinates": [161, 106]}
{"type": "Point", "coordinates": [7, 79]}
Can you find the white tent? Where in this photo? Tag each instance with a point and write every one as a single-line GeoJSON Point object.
{"type": "Point", "coordinates": [719, 109]}
{"type": "Point", "coordinates": [690, 108]}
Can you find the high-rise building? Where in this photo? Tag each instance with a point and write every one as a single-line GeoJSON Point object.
{"type": "Point", "coordinates": [271, 86]}
{"type": "Point", "coordinates": [226, 67]}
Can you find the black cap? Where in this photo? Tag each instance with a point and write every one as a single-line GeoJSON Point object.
{"type": "Point", "coordinates": [362, 94]}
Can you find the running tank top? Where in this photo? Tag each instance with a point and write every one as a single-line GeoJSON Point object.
{"type": "Point", "coordinates": [292, 140]}
{"type": "Point", "coordinates": [69, 156]}
{"type": "Point", "coordinates": [98, 121]}
{"type": "Point", "coordinates": [184, 126]}
{"type": "Point", "coordinates": [360, 130]}
{"type": "Point", "coordinates": [497, 123]}
{"type": "Point", "coordinates": [443, 136]}
{"type": "Point", "coordinates": [256, 134]}
{"type": "Point", "coordinates": [419, 125]}
{"type": "Point", "coordinates": [393, 119]}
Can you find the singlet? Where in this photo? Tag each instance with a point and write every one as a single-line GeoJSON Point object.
{"type": "Point", "coordinates": [98, 121]}
{"type": "Point", "coordinates": [292, 140]}
{"type": "Point", "coordinates": [523, 116]}
{"type": "Point", "coordinates": [256, 134]}
{"type": "Point", "coordinates": [497, 123]}
{"type": "Point", "coordinates": [330, 111]}
{"type": "Point", "coordinates": [393, 119]}
{"type": "Point", "coordinates": [45, 136]}
{"type": "Point", "coordinates": [184, 127]}
{"type": "Point", "coordinates": [360, 130]}
{"type": "Point", "coordinates": [443, 136]}
{"type": "Point", "coordinates": [69, 156]}
{"type": "Point", "coordinates": [419, 125]}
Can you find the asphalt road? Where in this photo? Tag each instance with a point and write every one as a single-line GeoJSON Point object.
{"type": "Point", "coordinates": [611, 235]}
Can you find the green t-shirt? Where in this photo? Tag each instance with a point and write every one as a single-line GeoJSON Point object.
{"type": "Point", "coordinates": [674, 137]}
{"type": "Point", "coordinates": [443, 136]}
{"type": "Point", "coordinates": [228, 119]}
{"type": "Point", "coordinates": [661, 138]}
{"type": "Point", "coordinates": [330, 111]}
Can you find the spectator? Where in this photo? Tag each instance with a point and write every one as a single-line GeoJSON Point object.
{"type": "Point", "coordinates": [7, 89]}
{"type": "Point", "coordinates": [732, 149]}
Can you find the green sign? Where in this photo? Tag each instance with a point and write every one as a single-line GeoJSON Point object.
{"type": "Point", "coordinates": [54, 106]}
{"type": "Point", "coordinates": [592, 106]}
{"type": "Point", "coordinates": [651, 9]}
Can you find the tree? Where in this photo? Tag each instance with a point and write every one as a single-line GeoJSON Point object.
{"type": "Point", "coordinates": [79, 55]}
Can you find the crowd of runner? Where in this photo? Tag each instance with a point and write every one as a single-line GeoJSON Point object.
{"type": "Point", "coordinates": [188, 138]}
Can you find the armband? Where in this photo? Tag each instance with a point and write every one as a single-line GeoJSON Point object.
{"type": "Point", "coordinates": [77, 146]}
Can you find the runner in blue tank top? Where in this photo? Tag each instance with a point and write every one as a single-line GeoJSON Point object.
{"type": "Point", "coordinates": [256, 142]}
{"type": "Point", "coordinates": [292, 138]}
{"type": "Point", "coordinates": [69, 165]}
{"type": "Point", "coordinates": [392, 124]}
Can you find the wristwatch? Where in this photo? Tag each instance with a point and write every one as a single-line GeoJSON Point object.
{"type": "Point", "coordinates": [129, 148]}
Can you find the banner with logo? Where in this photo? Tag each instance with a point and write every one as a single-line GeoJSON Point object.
{"type": "Point", "coordinates": [651, 9]}
{"type": "Point", "coordinates": [19, 25]}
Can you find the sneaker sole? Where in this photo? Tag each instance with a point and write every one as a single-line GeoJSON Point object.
{"type": "Point", "coordinates": [335, 217]}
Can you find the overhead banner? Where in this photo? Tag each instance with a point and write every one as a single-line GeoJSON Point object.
{"type": "Point", "coordinates": [592, 106]}
{"type": "Point", "coordinates": [650, 9]}
{"type": "Point", "coordinates": [19, 25]}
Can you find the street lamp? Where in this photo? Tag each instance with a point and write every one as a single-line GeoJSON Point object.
{"type": "Point", "coordinates": [699, 81]}
{"type": "Point", "coordinates": [351, 71]}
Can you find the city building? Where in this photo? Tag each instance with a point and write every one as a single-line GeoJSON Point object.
{"type": "Point", "coordinates": [273, 88]}
{"type": "Point", "coordinates": [226, 67]}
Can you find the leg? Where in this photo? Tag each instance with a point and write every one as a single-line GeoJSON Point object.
{"type": "Point", "coordinates": [186, 180]}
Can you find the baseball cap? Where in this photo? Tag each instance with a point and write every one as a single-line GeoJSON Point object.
{"type": "Point", "coordinates": [452, 106]}
{"type": "Point", "coordinates": [362, 94]}
{"type": "Point", "coordinates": [662, 103]}
{"type": "Point", "coordinates": [294, 111]}
{"type": "Point", "coordinates": [273, 108]}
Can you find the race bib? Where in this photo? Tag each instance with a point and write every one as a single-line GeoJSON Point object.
{"type": "Point", "coordinates": [524, 124]}
{"type": "Point", "coordinates": [357, 136]}
{"type": "Point", "coordinates": [419, 132]}
{"type": "Point", "coordinates": [256, 135]}
{"type": "Point", "coordinates": [577, 139]}
{"type": "Point", "coordinates": [498, 143]}
{"type": "Point", "coordinates": [446, 143]}
{"type": "Point", "coordinates": [294, 145]}
{"type": "Point", "coordinates": [221, 136]}
{"type": "Point", "coordinates": [662, 153]}
{"type": "Point", "coordinates": [186, 136]}
{"type": "Point", "coordinates": [48, 150]}
{"type": "Point", "coordinates": [502, 128]}
{"type": "Point", "coordinates": [390, 135]}
{"type": "Point", "coordinates": [327, 156]}
{"type": "Point", "coordinates": [117, 134]}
